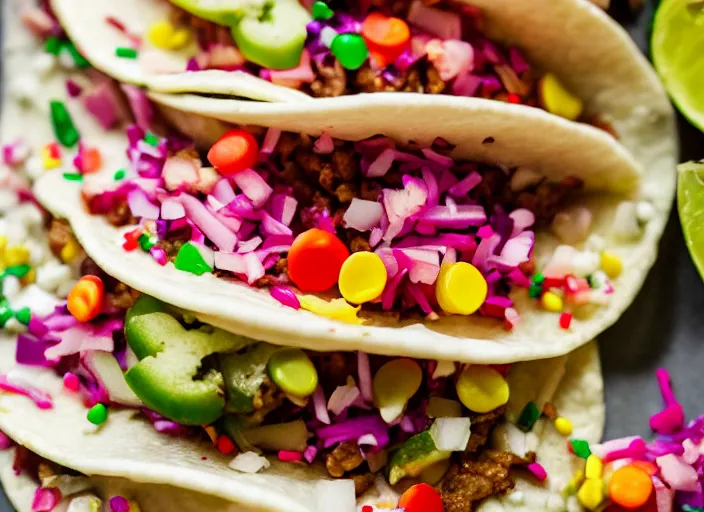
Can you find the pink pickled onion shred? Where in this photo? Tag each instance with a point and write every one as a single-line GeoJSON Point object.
{"type": "Point", "coordinates": [285, 296]}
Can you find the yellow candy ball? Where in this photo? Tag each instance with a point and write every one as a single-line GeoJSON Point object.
{"type": "Point", "coordinates": [611, 264]}
{"type": "Point", "coordinates": [69, 252]}
{"type": "Point", "coordinates": [594, 467]}
{"type": "Point", "coordinates": [591, 493]}
{"type": "Point", "coordinates": [552, 302]}
{"type": "Point", "coordinates": [460, 288]}
{"type": "Point", "coordinates": [558, 100]}
{"type": "Point", "coordinates": [160, 34]}
{"type": "Point", "coordinates": [563, 426]}
{"type": "Point", "coordinates": [18, 255]}
{"type": "Point", "coordinates": [362, 277]}
{"type": "Point", "coordinates": [482, 389]}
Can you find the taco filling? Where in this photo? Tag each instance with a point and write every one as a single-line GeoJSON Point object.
{"type": "Point", "coordinates": [388, 229]}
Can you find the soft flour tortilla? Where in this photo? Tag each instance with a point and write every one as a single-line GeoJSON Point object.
{"type": "Point", "coordinates": [84, 20]}
{"type": "Point", "coordinates": [130, 448]}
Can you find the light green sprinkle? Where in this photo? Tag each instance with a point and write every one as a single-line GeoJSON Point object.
{"type": "Point", "coordinates": [126, 53]}
{"type": "Point", "coordinates": [151, 139]}
{"type": "Point", "coordinates": [73, 176]}
{"type": "Point", "coordinates": [23, 316]}
{"type": "Point", "coordinates": [98, 414]}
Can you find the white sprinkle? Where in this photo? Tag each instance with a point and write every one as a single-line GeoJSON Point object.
{"type": "Point", "coordinates": [52, 275]}
{"type": "Point", "coordinates": [66, 60]}
{"type": "Point", "coordinates": [645, 211]}
{"type": "Point", "coordinates": [16, 233]}
{"type": "Point", "coordinates": [584, 263]}
{"type": "Point", "coordinates": [11, 287]}
{"type": "Point", "coordinates": [37, 300]}
{"type": "Point", "coordinates": [34, 168]}
{"type": "Point", "coordinates": [516, 497]}
{"type": "Point", "coordinates": [26, 214]}
{"type": "Point", "coordinates": [64, 288]}
{"type": "Point", "coordinates": [595, 243]}
{"type": "Point", "coordinates": [25, 88]}
{"type": "Point", "coordinates": [14, 325]}
{"type": "Point", "coordinates": [327, 35]}
{"type": "Point", "coordinates": [8, 200]}
{"type": "Point", "coordinates": [249, 462]}
{"type": "Point", "coordinates": [44, 63]}
{"type": "Point", "coordinates": [555, 502]}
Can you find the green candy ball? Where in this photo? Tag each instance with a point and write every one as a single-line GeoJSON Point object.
{"type": "Point", "coordinates": [350, 50]}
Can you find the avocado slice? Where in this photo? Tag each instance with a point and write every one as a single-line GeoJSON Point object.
{"type": "Point", "coordinates": [143, 346]}
{"type": "Point", "coordinates": [275, 38]}
{"type": "Point", "coordinates": [222, 12]}
{"type": "Point", "coordinates": [243, 374]}
{"type": "Point", "coordinates": [165, 379]}
{"type": "Point", "coordinates": [413, 456]}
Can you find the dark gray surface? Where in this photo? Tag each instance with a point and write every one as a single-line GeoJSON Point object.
{"type": "Point", "coordinates": [660, 329]}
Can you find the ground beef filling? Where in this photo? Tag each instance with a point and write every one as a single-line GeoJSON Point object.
{"type": "Point", "coordinates": [325, 184]}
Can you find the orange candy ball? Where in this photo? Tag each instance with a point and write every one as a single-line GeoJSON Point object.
{"type": "Point", "coordinates": [315, 259]}
{"type": "Point", "coordinates": [235, 151]}
{"type": "Point", "coordinates": [630, 487]}
{"type": "Point", "coordinates": [85, 300]}
{"type": "Point", "coordinates": [421, 498]}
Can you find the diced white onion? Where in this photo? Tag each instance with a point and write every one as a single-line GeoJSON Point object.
{"type": "Point", "coordinates": [451, 434]}
{"type": "Point", "coordinates": [249, 462]}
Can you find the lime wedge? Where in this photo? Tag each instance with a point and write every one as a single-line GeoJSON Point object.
{"type": "Point", "coordinates": [690, 203]}
{"type": "Point", "coordinates": [678, 54]}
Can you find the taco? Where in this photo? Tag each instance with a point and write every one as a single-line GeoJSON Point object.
{"type": "Point", "coordinates": [408, 200]}
{"type": "Point", "coordinates": [291, 51]}
{"type": "Point", "coordinates": [136, 446]}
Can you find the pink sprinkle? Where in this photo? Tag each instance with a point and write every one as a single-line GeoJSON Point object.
{"type": "Point", "coordinates": [5, 442]}
{"type": "Point", "coordinates": [159, 255]}
{"type": "Point", "coordinates": [42, 399]}
{"type": "Point", "coordinates": [45, 499]}
{"type": "Point", "coordinates": [74, 90]}
{"type": "Point", "coordinates": [71, 382]}
{"type": "Point", "coordinates": [310, 453]}
{"type": "Point", "coordinates": [538, 471]}
{"type": "Point", "coordinates": [289, 456]}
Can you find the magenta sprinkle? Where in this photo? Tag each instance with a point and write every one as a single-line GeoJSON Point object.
{"type": "Point", "coordinates": [119, 504]}
{"type": "Point", "coordinates": [289, 456]}
{"type": "Point", "coordinates": [71, 382]}
{"type": "Point", "coordinates": [538, 471]}
{"type": "Point", "coordinates": [671, 418]}
{"type": "Point", "coordinates": [45, 499]}
{"type": "Point", "coordinates": [5, 442]}
{"type": "Point", "coordinates": [73, 89]}
{"type": "Point", "coordinates": [285, 296]}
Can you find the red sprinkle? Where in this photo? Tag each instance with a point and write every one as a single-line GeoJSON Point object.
{"type": "Point", "coordinates": [514, 98]}
{"type": "Point", "coordinates": [553, 282]}
{"type": "Point", "coordinates": [71, 382]}
{"type": "Point", "coordinates": [225, 444]}
{"type": "Point", "coordinates": [367, 508]}
{"type": "Point", "coordinates": [565, 320]}
{"type": "Point", "coordinates": [289, 456]}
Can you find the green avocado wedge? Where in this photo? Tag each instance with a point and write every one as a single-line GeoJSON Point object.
{"type": "Point", "coordinates": [166, 377]}
{"type": "Point", "coordinates": [222, 12]}
{"type": "Point", "coordinates": [275, 39]}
